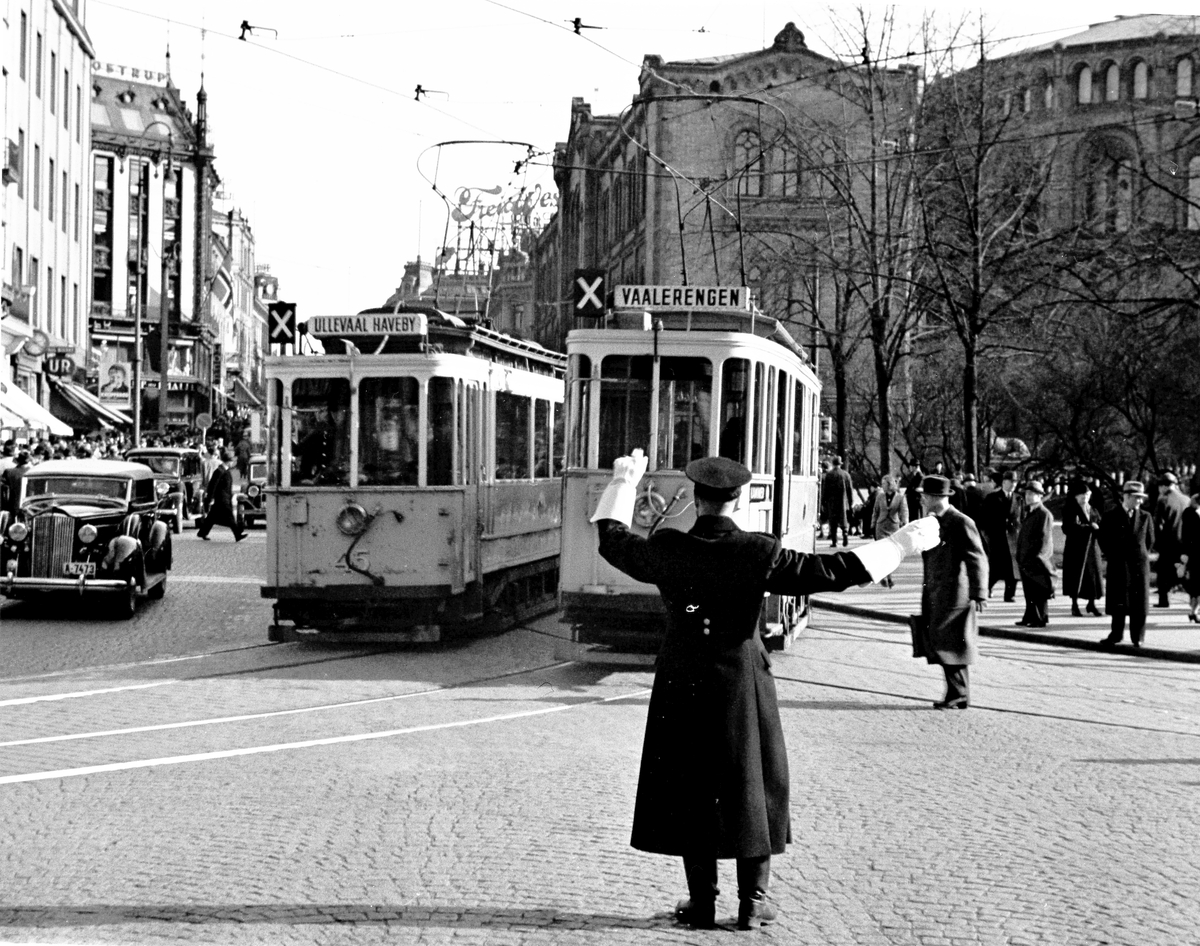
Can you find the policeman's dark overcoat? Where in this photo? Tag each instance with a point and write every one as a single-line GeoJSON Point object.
{"type": "Point", "coordinates": [714, 773]}
{"type": "Point", "coordinates": [1127, 541]}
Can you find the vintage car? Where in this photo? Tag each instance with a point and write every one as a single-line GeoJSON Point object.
{"type": "Point", "coordinates": [250, 500]}
{"type": "Point", "coordinates": [179, 481]}
{"type": "Point", "coordinates": [86, 528]}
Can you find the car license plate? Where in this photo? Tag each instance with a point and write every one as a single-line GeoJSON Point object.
{"type": "Point", "coordinates": [79, 568]}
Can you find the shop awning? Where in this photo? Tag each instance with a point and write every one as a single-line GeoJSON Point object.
{"type": "Point", "coordinates": [85, 401]}
{"type": "Point", "coordinates": [243, 395]}
{"type": "Point", "coordinates": [29, 412]}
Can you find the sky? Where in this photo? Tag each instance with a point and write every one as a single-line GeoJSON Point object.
{"type": "Point", "coordinates": [322, 143]}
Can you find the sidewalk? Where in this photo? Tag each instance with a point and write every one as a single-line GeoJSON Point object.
{"type": "Point", "coordinates": [1169, 634]}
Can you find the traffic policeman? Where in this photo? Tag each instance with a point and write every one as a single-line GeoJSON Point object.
{"type": "Point", "coordinates": [714, 773]}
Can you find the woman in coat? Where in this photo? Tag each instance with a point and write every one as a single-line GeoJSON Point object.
{"type": "Point", "coordinates": [1190, 557]}
{"type": "Point", "coordinates": [889, 513]}
{"type": "Point", "coordinates": [1081, 550]}
{"type": "Point", "coordinates": [714, 774]}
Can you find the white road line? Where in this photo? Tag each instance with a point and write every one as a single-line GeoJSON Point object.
{"type": "Point", "coordinates": [305, 744]}
{"type": "Point", "coordinates": [77, 671]}
{"type": "Point", "coordinates": [51, 697]}
{"type": "Point", "coordinates": [216, 720]}
{"type": "Point", "coordinates": [218, 579]}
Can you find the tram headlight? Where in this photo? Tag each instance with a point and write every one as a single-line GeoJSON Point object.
{"type": "Point", "coordinates": [17, 531]}
{"type": "Point", "coordinates": [87, 534]}
{"type": "Point", "coordinates": [352, 520]}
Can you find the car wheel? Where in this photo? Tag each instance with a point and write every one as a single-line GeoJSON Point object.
{"type": "Point", "coordinates": [127, 602]}
{"type": "Point", "coordinates": [156, 593]}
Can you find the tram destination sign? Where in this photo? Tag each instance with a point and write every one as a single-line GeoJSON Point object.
{"type": "Point", "coordinates": [696, 298]}
{"type": "Point", "coordinates": [376, 323]}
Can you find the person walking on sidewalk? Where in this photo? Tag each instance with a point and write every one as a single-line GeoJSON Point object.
{"type": "Point", "coordinates": [1001, 523]}
{"type": "Point", "coordinates": [1035, 556]}
{"type": "Point", "coordinates": [1189, 558]}
{"type": "Point", "coordinates": [953, 591]}
{"type": "Point", "coordinates": [713, 782]}
{"type": "Point", "coordinates": [1126, 537]}
{"type": "Point", "coordinates": [218, 499]}
{"type": "Point", "coordinates": [1081, 550]}
{"type": "Point", "coordinates": [889, 514]}
{"type": "Point", "coordinates": [837, 499]}
{"type": "Point", "coordinates": [1168, 531]}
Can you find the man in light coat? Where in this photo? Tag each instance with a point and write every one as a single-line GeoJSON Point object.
{"type": "Point", "coordinates": [714, 774]}
{"type": "Point", "coordinates": [1035, 556]}
{"type": "Point", "coordinates": [954, 590]}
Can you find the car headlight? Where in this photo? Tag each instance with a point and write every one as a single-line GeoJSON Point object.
{"type": "Point", "coordinates": [352, 520]}
{"type": "Point", "coordinates": [162, 488]}
{"type": "Point", "coordinates": [87, 534]}
{"type": "Point", "coordinates": [17, 531]}
{"type": "Point", "coordinates": [252, 491]}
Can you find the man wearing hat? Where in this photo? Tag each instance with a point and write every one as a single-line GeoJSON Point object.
{"type": "Point", "coordinates": [1126, 538]}
{"type": "Point", "coordinates": [713, 782]}
{"type": "Point", "coordinates": [1001, 523]}
{"type": "Point", "coordinates": [1035, 556]}
{"type": "Point", "coordinates": [1168, 529]}
{"type": "Point", "coordinates": [973, 495]}
{"type": "Point", "coordinates": [954, 589]}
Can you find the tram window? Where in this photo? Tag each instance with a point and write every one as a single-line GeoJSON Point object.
{"type": "Point", "coordinates": [798, 411]}
{"type": "Point", "coordinates": [759, 443]}
{"type": "Point", "coordinates": [439, 443]}
{"type": "Point", "coordinates": [512, 436]}
{"type": "Point", "coordinates": [388, 431]}
{"type": "Point", "coordinates": [684, 399]}
{"type": "Point", "coordinates": [275, 433]}
{"type": "Point", "coordinates": [541, 438]}
{"type": "Point", "coordinates": [581, 392]}
{"type": "Point", "coordinates": [624, 406]}
{"type": "Point", "coordinates": [735, 376]}
{"type": "Point", "coordinates": [557, 411]}
{"type": "Point", "coordinates": [321, 432]}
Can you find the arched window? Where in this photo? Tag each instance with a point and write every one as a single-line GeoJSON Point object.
{"type": "Point", "coordinates": [1193, 193]}
{"type": "Point", "coordinates": [747, 164]}
{"type": "Point", "coordinates": [1141, 80]}
{"type": "Point", "coordinates": [1083, 85]}
{"type": "Point", "coordinates": [1027, 100]}
{"type": "Point", "coordinates": [1048, 95]}
{"type": "Point", "coordinates": [1112, 83]}
{"type": "Point", "coordinates": [1183, 78]}
{"type": "Point", "coordinates": [1110, 191]}
{"type": "Point", "coordinates": [787, 172]}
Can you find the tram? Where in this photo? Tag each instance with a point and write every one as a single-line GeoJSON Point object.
{"type": "Point", "coordinates": [683, 373]}
{"type": "Point", "coordinates": [413, 479]}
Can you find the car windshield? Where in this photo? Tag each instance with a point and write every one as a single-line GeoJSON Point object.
{"type": "Point", "coordinates": [168, 466]}
{"type": "Point", "coordinates": [101, 486]}
{"type": "Point", "coordinates": [258, 471]}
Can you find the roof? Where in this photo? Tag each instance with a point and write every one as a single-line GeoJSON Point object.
{"type": "Point", "coordinates": [1126, 29]}
{"type": "Point", "coordinates": [139, 110]}
{"type": "Point", "coordinates": [91, 468]}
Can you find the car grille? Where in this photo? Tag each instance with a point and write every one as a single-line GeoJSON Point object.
{"type": "Point", "coordinates": [53, 537]}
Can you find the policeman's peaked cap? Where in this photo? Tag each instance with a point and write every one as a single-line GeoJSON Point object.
{"type": "Point", "coordinates": [718, 476]}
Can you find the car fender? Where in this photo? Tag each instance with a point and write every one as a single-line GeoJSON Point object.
{"type": "Point", "coordinates": [131, 525]}
{"type": "Point", "coordinates": [120, 550]}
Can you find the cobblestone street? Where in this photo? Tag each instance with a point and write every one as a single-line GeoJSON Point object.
{"type": "Point", "coordinates": [483, 794]}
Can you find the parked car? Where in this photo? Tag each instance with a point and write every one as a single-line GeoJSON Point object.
{"type": "Point", "coordinates": [86, 528]}
{"type": "Point", "coordinates": [179, 480]}
{"type": "Point", "coordinates": [250, 499]}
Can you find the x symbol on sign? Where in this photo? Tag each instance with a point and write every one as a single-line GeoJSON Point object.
{"type": "Point", "coordinates": [589, 293]}
{"type": "Point", "coordinates": [280, 328]}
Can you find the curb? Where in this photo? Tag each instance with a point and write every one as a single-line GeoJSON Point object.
{"type": "Point", "coordinates": [1153, 653]}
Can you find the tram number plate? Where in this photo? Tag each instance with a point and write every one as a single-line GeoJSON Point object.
{"type": "Point", "coordinates": [760, 492]}
{"type": "Point", "coordinates": [79, 568]}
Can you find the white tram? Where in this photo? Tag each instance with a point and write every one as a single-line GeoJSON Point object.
{"type": "Point", "coordinates": [683, 373]}
{"type": "Point", "coordinates": [413, 486]}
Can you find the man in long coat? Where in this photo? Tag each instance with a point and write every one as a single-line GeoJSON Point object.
{"type": "Point", "coordinates": [1127, 537]}
{"type": "Point", "coordinates": [714, 773]}
{"type": "Point", "coordinates": [219, 497]}
{"type": "Point", "coordinates": [837, 499]}
{"type": "Point", "coordinates": [1001, 523]}
{"type": "Point", "coordinates": [954, 589]}
{"type": "Point", "coordinates": [1035, 556]}
{"type": "Point", "coordinates": [1168, 531]}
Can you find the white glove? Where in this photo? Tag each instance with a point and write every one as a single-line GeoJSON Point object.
{"type": "Point", "coordinates": [883, 557]}
{"type": "Point", "coordinates": [619, 495]}
{"type": "Point", "coordinates": [920, 535]}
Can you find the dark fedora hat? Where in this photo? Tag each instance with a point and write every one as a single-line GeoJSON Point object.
{"type": "Point", "coordinates": [1078, 487]}
{"type": "Point", "coordinates": [935, 486]}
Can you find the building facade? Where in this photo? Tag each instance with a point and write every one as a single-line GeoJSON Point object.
{"type": "Point", "coordinates": [45, 166]}
{"type": "Point", "coordinates": [241, 292]}
{"type": "Point", "coordinates": [153, 180]}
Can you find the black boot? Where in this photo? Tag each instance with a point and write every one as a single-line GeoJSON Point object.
{"type": "Point", "coordinates": [1075, 612]}
{"type": "Point", "coordinates": [699, 910]}
{"type": "Point", "coordinates": [1092, 610]}
{"type": "Point", "coordinates": [754, 874]}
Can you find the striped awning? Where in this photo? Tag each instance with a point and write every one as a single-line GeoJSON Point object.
{"type": "Point", "coordinates": [86, 402]}
{"type": "Point", "coordinates": [19, 406]}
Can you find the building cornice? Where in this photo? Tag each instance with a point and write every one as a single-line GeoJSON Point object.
{"type": "Point", "coordinates": [75, 26]}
